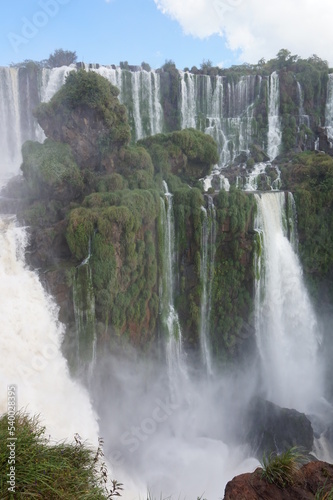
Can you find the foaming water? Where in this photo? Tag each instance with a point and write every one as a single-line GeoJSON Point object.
{"type": "Point", "coordinates": [175, 448]}
{"type": "Point", "coordinates": [30, 346]}
{"type": "Point", "coordinates": [287, 329]}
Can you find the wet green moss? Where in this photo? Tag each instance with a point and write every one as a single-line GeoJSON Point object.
{"type": "Point", "coordinates": [232, 285]}
{"type": "Point", "coordinates": [121, 227]}
{"type": "Point", "coordinates": [50, 170]}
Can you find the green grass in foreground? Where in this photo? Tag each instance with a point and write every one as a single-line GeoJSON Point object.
{"type": "Point", "coordinates": [52, 471]}
{"type": "Point", "coordinates": [280, 469]}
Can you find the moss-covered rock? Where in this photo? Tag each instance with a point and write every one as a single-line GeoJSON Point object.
{"type": "Point", "coordinates": [187, 205]}
{"type": "Point", "coordinates": [188, 153]}
{"type": "Point", "coordinates": [232, 288]}
{"type": "Point", "coordinates": [120, 229]}
{"type": "Point", "coordinates": [86, 114]}
{"type": "Point", "coordinates": [310, 177]}
{"type": "Point", "coordinates": [51, 171]}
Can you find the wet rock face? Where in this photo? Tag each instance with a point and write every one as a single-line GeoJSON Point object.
{"type": "Point", "coordinates": [86, 114]}
{"type": "Point", "coordinates": [315, 478]}
{"type": "Point", "coordinates": [83, 130]}
{"type": "Point", "coordinates": [271, 428]}
{"type": "Point", "coordinates": [325, 144]}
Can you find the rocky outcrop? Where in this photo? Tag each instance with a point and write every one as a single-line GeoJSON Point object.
{"type": "Point", "coordinates": [324, 144]}
{"type": "Point", "coordinates": [86, 115]}
{"type": "Point", "coordinates": [312, 481]}
{"type": "Point", "coordinates": [271, 428]}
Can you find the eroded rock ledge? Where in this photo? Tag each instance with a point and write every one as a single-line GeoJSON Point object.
{"type": "Point", "coordinates": [313, 480]}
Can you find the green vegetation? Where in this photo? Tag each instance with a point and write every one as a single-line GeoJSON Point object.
{"type": "Point", "coordinates": [310, 178]}
{"type": "Point", "coordinates": [233, 278]}
{"type": "Point", "coordinates": [189, 154]}
{"type": "Point", "coordinates": [53, 471]}
{"type": "Point", "coordinates": [187, 205]}
{"type": "Point", "coordinates": [121, 228]}
{"type": "Point", "coordinates": [110, 196]}
{"type": "Point", "coordinates": [86, 89]}
{"type": "Point", "coordinates": [51, 171]}
{"type": "Point", "coordinates": [280, 469]}
{"type": "Point", "coordinates": [324, 494]}
{"type": "Point", "coordinates": [60, 58]}
{"type": "Point", "coordinates": [170, 98]}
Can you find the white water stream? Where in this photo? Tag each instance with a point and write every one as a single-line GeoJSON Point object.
{"type": "Point", "coordinates": [286, 325]}
{"type": "Point", "coordinates": [30, 346]}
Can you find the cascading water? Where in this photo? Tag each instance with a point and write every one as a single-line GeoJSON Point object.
{"type": "Point", "coordinates": [202, 106]}
{"type": "Point", "coordinates": [303, 119]}
{"type": "Point", "coordinates": [188, 100]}
{"type": "Point", "coordinates": [30, 344]}
{"type": "Point", "coordinates": [329, 109]}
{"type": "Point", "coordinates": [140, 93]}
{"type": "Point", "coordinates": [286, 326]}
{"type": "Point", "coordinates": [220, 109]}
{"type": "Point", "coordinates": [10, 121]}
{"type": "Point", "coordinates": [53, 80]}
{"type": "Point", "coordinates": [274, 122]}
{"type": "Point", "coordinates": [175, 355]}
{"type": "Point", "coordinates": [84, 311]}
{"type": "Point", "coordinates": [207, 272]}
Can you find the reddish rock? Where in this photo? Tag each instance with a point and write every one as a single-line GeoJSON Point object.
{"type": "Point", "coordinates": [309, 480]}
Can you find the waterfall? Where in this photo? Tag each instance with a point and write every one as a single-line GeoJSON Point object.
{"type": "Point", "coordinates": [188, 100]}
{"type": "Point", "coordinates": [329, 109]}
{"type": "Point", "coordinates": [258, 177]}
{"type": "Point", "coordinates": [53, 80]}
{"type": "Point", "coordinates": [219, 108]}
{"type": "Point", "coordinates": [202, 106]}
{"type": "Point", "coordinates": [302, 117]}
{"type": "Point", "coordinates": [208, 237]}
{"type": "Point", "coordinates": [140, 92]}
{"type": "Point", "coordinates": [84, 311]}
{"type": "Point", "coordinates": [30, 344]}
{"type": "Point", "coordinates": [251, 181]}
{"type": "Point", "coordinates": [274, 122]}
{"type": "Point", "coordinates": [10, 121]}
{"type": "Point", "coordinates": [174, 350]}
{"type": "Point", "coordinates": [286, 325]}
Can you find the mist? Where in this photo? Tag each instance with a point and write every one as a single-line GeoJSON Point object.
{"type": "Point", "coordinates": [179, 447]}
{"type": "Point", "coordinates": [173, 426]}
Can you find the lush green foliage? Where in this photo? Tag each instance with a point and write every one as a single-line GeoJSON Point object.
{"type": "Point", "coordinates": [50, 170]}
{"type": "Point", "coordinates": [61, 57]}
{"type": "Point", "coordinates": [310, 177]}
{"type": "Point", "coordinates": [132, 159]}
{"type": "Point", "coordinates": [89, 89]}
{"type": "Point", "coordinates": [121, 228]}
{"type": "Point", "coordinates": [187, 205]}
{"type": "Point", "coordinates": [233, 279]}
{"type": "Point", "coordinates": [189, 153]}
{"type": "Point", "coordinates": [280, 469]}
{"type": "Point", "coordinates": [170, 96]}
{"type": "Point", "coordinates": [53, 471]}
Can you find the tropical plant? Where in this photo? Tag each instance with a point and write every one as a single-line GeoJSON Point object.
{"type": "Point", "coordinates": [280, 469]}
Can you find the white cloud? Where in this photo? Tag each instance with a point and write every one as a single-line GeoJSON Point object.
{"type": "Point", "coordinates": [259, 28]}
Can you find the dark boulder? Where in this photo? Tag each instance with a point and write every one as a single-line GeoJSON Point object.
{"type": "Point", "coordinates": [270, 428]}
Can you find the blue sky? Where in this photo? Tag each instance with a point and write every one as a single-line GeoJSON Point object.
{"type": "Point", "coordinates": [103, 32]}
{"type": "Point", "coordinates": [186, 31]}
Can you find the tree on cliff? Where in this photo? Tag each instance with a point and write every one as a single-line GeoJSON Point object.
{"type": "Point", "coordinates": [61, 57]}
